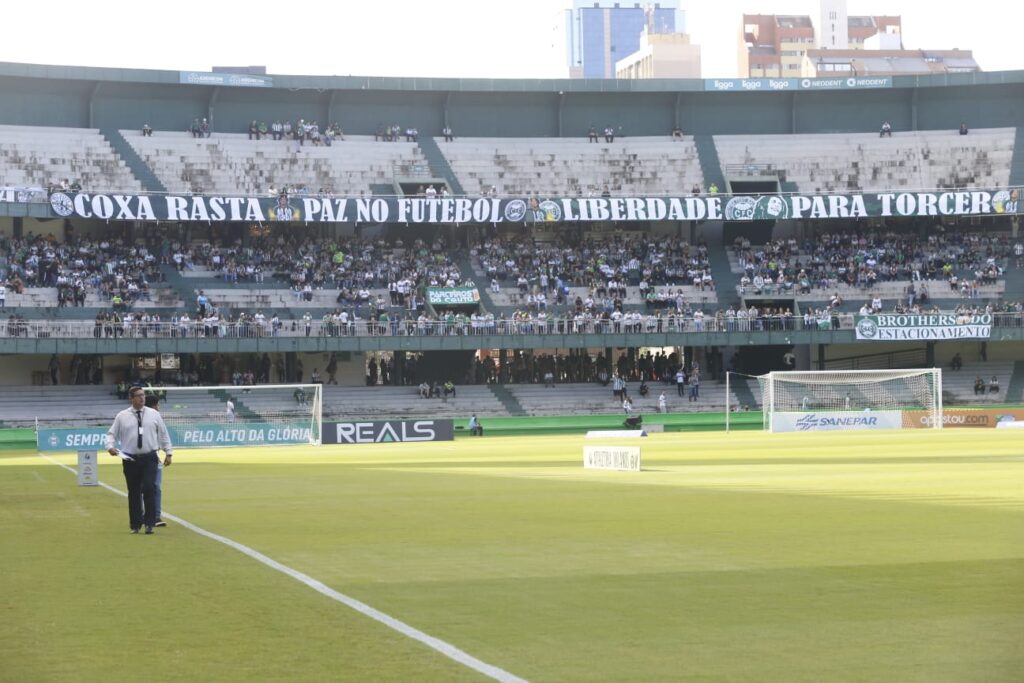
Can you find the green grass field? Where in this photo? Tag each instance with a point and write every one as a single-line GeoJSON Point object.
{"type": "Point", "coordinates": [843, 557]}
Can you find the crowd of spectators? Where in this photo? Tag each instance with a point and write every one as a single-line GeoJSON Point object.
{"type": "Point", "coordinates": [352, 267]}
{"type": "Point", "coordinates": [543, 273]}
{"type": "Point", "coordinates": [965, 261]}
{"type": "Point", "coordinates": [302, 131]}
{"type": "Point", "coordinates": [395, 132]}
{"type": "Point", "coordinates": [119, 271]}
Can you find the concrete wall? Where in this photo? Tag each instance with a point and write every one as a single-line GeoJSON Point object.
{"type": "Point", "coordinates": [512, 108]}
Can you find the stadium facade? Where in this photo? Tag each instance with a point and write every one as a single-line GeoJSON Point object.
{"type": "Point", "coordinates": [705, 112]}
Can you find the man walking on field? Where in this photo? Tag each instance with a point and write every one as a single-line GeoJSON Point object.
{"type": "Point", "coordinates": [135, 436]}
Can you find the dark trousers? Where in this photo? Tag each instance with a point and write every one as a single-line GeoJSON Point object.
{"type": "Point", "coordinates": [140, 477]}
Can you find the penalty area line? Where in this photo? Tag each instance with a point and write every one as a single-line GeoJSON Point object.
{"type": "Point", "coordinates": [436, 644]}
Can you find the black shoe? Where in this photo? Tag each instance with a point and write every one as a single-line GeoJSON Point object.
{"type": "Point", "coordinates": [149, 530]}
{"type": "Point", "coordinates": [160, 522]}
{"type": "Point", "coordinates": [135, 531]}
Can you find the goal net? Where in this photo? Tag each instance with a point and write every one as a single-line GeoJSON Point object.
{"type": "Point", "coordinates": [796, 401]}
{"type": "Point", "coordinates": [257, 415]}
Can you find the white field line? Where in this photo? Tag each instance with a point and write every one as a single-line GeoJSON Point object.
{"type": "Point", "coordinates": [446, 649]}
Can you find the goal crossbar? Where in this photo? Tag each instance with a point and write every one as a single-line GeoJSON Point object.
{"type": "Point", "coordinates": [820, 400]}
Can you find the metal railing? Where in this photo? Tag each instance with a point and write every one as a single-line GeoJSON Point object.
{"type": "Point", "coordinates": [86, 329]}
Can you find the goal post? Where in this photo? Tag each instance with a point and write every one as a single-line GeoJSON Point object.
{"type": "Point", "coordinates": [242, 415]}
{"type": "Point", "coordinates": [825, 400]}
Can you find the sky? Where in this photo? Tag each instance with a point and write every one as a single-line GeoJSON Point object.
{"type": "Point", "coordinates": [443, 38]}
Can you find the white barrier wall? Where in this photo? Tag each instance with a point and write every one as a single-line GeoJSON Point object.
{"type": "Point", "coordinates": [837, 420]}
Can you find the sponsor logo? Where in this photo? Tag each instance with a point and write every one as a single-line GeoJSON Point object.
{"type": "Point", "coordinates": [515, 211]}
{"type": "Point", "coordinates": [54, 440]}
{"type": "Point", "coordinates": [867, 328]}
{"type": "Point", "coordinates": [1006, 201]}
{"type": "Point", "coordinates": [389, 431]}
{"type": "Point", "coordinates": [958, 420]}
{"type": "Point", "coordinates": [740, 209]}
{"type": "Point", "coordinates": [813, 421]}
{"type": "Point", "coordinates": [62, 204]}
{"type": "Point", "coordinates": [551, 211]}
{"type": "Point", "coordinates": [807, 422]}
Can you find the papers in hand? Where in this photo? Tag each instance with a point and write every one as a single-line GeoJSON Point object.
{"type": "Point", "coordinates": [125, 456]}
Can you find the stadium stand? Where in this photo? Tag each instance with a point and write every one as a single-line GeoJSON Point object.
{"type": "Point", "coordinates": [52, 157]}
{"type": "Point", "coordinates": [573, 167]}
{"type": "Point", "coordinates": [627, 269]}
{"type": "Point", "coordinates": [228, 163]}
{"type": "Point", "coordinates": [83, 274]}
{"type": "Point", "coordinates": [623, 288]}
{"type": "Point", "coordinates": [888, 267]}
{"type": "Point", "coordinates": [848, 162]}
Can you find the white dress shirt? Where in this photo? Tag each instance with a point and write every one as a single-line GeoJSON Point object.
{"type": "Point", "coordinates": [125, 432]}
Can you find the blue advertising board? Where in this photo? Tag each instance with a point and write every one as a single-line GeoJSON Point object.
{"type": "Point", "coordinates": [200, 435]}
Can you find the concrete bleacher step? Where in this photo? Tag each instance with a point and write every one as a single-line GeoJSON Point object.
{"type": "Point", "coordinates": [507, 399]}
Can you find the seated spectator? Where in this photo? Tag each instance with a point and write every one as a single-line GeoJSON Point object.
{"type": "Point", "coordinates": [993, 385]}
{"type": "Point", "coordinates": [447, 133]}
{"type": "Point", "coordinates": [592, 134]}
{"type": "Point", "coordinates": [677, 133]}
{"type": "Point", "coordinates": [886, 130]}
{"type": "Point", "coordinates": [979, 385]}
{"type": "Point", "coordinates": [957, 362]}
{"type": "Point", "coordinates": [147, 132]}
{"type": "Point", "coordinates": [963, 128]}
{"type": "Point", "coordinates": [609, 134]}
{"type": "Point", "coordinates": [474, 426]}
{"type": "Point", "coordinates": [449, 388]}
{"type": "Point", "coordinates": [424, 390]}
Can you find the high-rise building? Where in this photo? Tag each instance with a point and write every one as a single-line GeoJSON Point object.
{"type": "Point", "coordinates": [599, 33]}
{"type": "Point", "coordinates": [833, 26]}
{"type": "Point", "coordinates": [661, 55]}
{"type": "Point", "coordinates": [774, 45]}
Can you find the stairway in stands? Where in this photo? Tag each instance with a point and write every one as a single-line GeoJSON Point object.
{"type": "Point", "coordinates": [439, 166]}
{"type": "Point", "coordinates": [740, 387]}
{"type": "Point", "coordinates": [725, 280]}
{"type": "Point", "coordinates": [241, 410]}
{"type": "Point", "coordinates": [1014, 283]}
{"type": "Point", "coordinates": [1017, 163]}
{"type": "Point", "coordinates": [142, 172]}
{"type": "Point", "coordinates": [512, 405]}
{"type": "Point", "coordinates": [1015, 388]}
{"type": "Point", "coordinates": [480, 280]}
{"type": "Point", "coordinates": [710, 164]}
{"type": "Point", "coordinates": [185, 288]}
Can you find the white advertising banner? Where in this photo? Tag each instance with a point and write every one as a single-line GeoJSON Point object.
{"type": "Point", "coordinates": [87, 473]}
{"type": "Point", "coordinates": [836, 420]}
{"type": "Point", "coordinates": [625, 458]}
{"type": "Point", "coordinates": [927, 327]}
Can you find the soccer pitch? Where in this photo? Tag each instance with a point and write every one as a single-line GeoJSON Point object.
{"type": "Point", "coordinates": [743, 556]}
